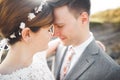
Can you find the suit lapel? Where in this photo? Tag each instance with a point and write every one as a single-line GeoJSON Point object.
{"type": "Point", "coordinates": [61, 51]}
{"type": "Point", "coordinates": [85, 61]}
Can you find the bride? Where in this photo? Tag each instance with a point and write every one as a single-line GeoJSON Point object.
{"type": "Point", "coordinates": [25, 27]}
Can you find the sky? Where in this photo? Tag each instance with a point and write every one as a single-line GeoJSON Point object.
{"type": "Point", "coordinates": [101, 5]}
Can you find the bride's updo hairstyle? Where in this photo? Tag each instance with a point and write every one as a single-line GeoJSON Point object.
{"type": "Point", "coordinates": [16, 15]}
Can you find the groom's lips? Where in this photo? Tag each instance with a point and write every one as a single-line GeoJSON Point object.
{"type": "Point", "coordinates": [62, 38]}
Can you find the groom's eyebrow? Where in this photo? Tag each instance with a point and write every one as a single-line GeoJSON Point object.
{"type": "Point", "coordinates": [58, 23]}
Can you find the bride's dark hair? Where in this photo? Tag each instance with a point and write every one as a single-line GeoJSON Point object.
{"type": "Point", "coordinates": [13, 12]}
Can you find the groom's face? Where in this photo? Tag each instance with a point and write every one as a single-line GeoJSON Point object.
{"type": "Point", "coordinates": [67, 27]}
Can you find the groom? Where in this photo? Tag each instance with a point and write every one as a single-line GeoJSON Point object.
{"type": "Point", "coordinates": [89, 61]}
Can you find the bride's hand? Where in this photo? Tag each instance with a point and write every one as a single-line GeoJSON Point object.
{"type": "Point", "coordinates": [101, 45]}
{"type": "Point", "coordinates": [52, 47]}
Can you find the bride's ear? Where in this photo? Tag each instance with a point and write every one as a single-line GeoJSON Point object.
{"type": "Point", "coordinates": [26, 34]}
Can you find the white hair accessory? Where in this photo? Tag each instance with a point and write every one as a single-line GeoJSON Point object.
{"type": "Point", "coordinates": [37, 10]}
{"type": "Point", "coordinates": [22, 25]}
{"type": "Point", "coordinates": [3, 44]}
{"type": "Point", "coordinates": [12, 36]}
{"type": "Point", "coordinates": [31, 16]}
{"type": "Point", "coordinates": [40, 6]}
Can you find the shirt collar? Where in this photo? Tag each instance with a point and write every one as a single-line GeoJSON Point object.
{"type": "Point", "coordinates": [83, 46]}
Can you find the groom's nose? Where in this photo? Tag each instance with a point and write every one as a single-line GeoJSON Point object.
{"type": "Point", "coordinates": [56, 32]}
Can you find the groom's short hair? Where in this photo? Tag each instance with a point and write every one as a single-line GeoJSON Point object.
{"type": "Point", "coordinates": [77, 6]}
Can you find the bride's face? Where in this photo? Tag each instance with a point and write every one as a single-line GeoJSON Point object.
{"type": "Point", "coordinates": [40, 39]}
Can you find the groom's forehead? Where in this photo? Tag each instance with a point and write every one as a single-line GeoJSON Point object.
{"type": "Point", "coordinates": [61, 12]}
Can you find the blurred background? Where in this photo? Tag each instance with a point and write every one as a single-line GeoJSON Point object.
{"type": "Point", "coordinates": [105, 25]}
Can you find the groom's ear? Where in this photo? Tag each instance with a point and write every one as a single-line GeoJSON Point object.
{"type": "Point", "coordinates": [84, 17]}
{"type": "Point", "coordinates": [26, 34]}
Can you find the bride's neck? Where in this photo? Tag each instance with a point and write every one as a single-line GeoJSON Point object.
{"type": "Point", "coordinates": [16, 58]}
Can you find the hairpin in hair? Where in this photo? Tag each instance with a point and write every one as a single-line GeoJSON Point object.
{"type": "Point", "coordinates": [37, 10]}
{"type": "Point", "coordinates": [3, 44]}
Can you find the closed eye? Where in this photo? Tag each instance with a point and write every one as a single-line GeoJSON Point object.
{"type": "Point", "coordinates": [60, 25]}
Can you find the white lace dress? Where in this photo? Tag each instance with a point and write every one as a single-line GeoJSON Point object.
{"type": "Point", "coordinates": [38, 70]}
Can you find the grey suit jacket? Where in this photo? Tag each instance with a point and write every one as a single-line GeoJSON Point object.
{"type": "Point", "coordinates": [94, 64]}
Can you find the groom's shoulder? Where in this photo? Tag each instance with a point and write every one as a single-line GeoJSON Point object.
{"type": "Point", "coordinates": [115, 75]}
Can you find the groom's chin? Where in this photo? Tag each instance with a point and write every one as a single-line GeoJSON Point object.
{"type": "Point", "coordinates": [65, 44]}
